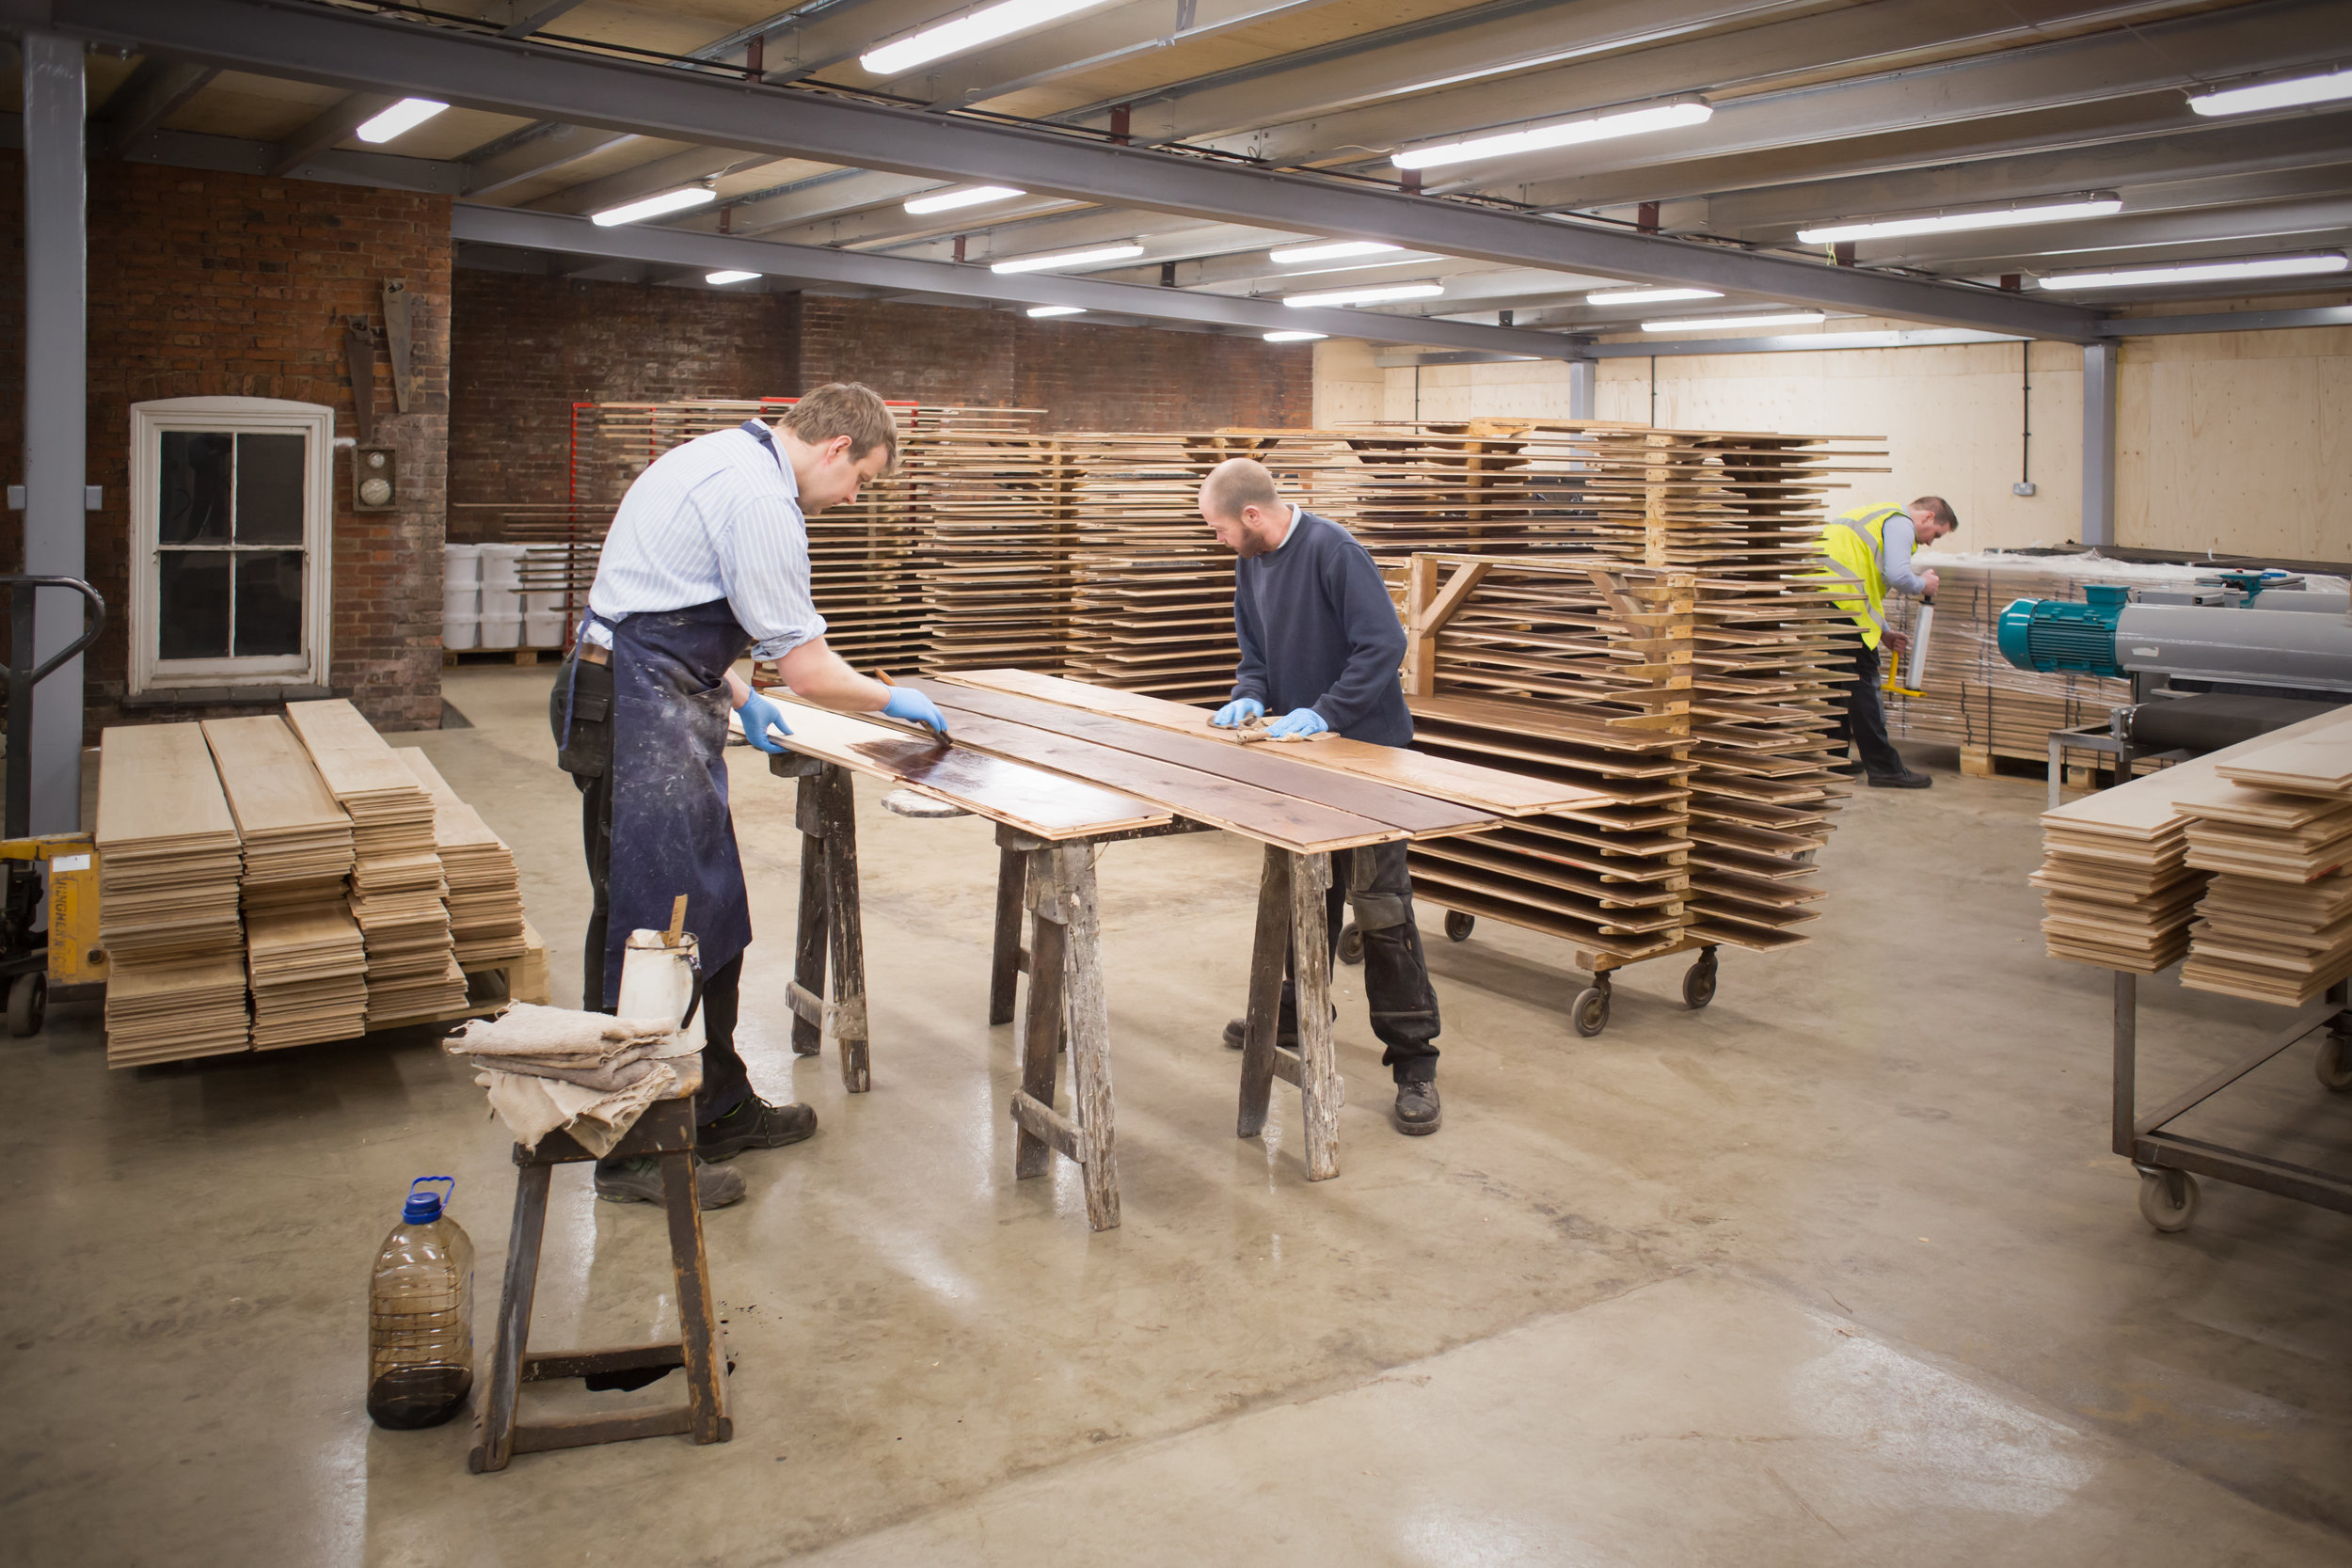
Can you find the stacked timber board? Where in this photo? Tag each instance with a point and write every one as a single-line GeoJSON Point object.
{"type": "Point", "coordinates": [304, 956]}
{"type": "Point", "coordinates": [997, 512]}
{"type": "Point", "coordinates": [486, 906]}
{"type": "Point", "coordinates": [396, 884]}
{"type": "Point", "coordinates": [2276, 923]}
{"type": "Point", "coordinates": [169, 871]}
{"type": "Point", "coordinates": [2123, 882]}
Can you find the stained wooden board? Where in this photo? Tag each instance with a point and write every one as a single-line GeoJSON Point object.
{"type": "Point", "coordinates": [1301, 827]}
{"type": "Point", "coordinates": [1047, 805]}
{"type": "Point", "coordinates": [1486, 789]}
{"type": "Point", "coordinates": [1253, 765]}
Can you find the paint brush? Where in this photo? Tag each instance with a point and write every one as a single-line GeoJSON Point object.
{"type": "Point", "coordinates": [924, 729]}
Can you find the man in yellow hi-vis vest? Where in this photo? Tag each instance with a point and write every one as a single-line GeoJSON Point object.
{"type": "Point", "coordinates": [1868, 551]}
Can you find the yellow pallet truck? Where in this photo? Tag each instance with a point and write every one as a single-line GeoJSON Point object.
{"type": "Point", "coordinates": [64, 958]}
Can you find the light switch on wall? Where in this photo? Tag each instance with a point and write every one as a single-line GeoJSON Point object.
{"type": "Point", "coordinates": [93, 498]}
{"type": "Point", "coordinates": [16, 498]}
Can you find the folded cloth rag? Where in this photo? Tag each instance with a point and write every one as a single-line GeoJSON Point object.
{"type": "Point", "coordinates": [589, 1073]}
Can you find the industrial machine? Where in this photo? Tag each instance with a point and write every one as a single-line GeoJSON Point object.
{"type": "Point", "coordinates": [2239, 654]}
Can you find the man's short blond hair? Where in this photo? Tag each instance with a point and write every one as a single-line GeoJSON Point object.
{"type": "Point", "coordinates": [1236, 482]}
{"type": "Point", "coordinates": [846, 409]}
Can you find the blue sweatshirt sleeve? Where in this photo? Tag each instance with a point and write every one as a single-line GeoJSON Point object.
{"type": "Point", "coordinates": [1376, 638]}
{"type": "Point", "coordinates": [1249, 676]}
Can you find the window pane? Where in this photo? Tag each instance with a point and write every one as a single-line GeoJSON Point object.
{"type": "Point", "coordinates": [192, 609]}
{"type": "Point", "coordinates": [269, 489]}
{"type": "Point", "coordinates": [193, 487]}
{"type": "Point", "coordinates": [269, 603]}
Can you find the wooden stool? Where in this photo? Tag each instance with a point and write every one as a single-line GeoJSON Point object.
{"type": "Point", "coordinates": [666, 1132]}
{"type": "Point", "coordinates": [832, 933]}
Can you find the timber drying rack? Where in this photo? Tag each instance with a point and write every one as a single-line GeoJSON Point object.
{"type": "Point", "coordinates": [1062, 768]}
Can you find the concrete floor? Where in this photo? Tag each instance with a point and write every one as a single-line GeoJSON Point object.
{"type": "Point", "coordinates": [1837, 1271]}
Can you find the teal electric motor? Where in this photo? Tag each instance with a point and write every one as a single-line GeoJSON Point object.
{"type": "Point", "coordinates": [2283, 638]}
{"type": "Point", "coordinates": [2061, 634]}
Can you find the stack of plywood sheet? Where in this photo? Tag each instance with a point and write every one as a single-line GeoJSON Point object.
{"type": "Point", "coordinates": [396, 884]}
{"type": "Point", "coordinates": [168, 876]}
{"type": "Point", "coordinates": [305, 956]}
{"type": "Point", "coordinates": [2276, 925]}
{"type": "Point", "coordinates": [485, 907]}
{"type": "Point", "coordinates": [998, 509]}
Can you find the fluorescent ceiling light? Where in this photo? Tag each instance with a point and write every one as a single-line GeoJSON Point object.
{"type": "Point", "coordinates": [2275, 95]}
{"type": "Point", "coordinates": [1328, 252]}
{"type": "Point", "coordinates": [1040, 311]}
{"type": "Point", "coordinates": [968, 32]}
{"type": "Point", "coordinates": [655, 206]}
{"type": "Point", "coordinates": [406, 115]}
{"type": "Point", "coordinates": [722, 279]}
{"type": "Point", "coordinates": [1369, 296]}
{"type": "Point", "coordinates": [2098, 205]}
{"type": "Point", "coordinates": [1068, 259]}
{"type": "Point", "coordinates": [2201, 272]}
{"type": "Point", "coordinates": [1296, 337]}
{"type": "Point", "coordinates": [1566, 133]}
{"type": "Point", "coordinates": [948, 201]}
{"type": "Point", "coordinates": [1781, 318]}
{"type": "Point", "coordinates": [1648, 296]}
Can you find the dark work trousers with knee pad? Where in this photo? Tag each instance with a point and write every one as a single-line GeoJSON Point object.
{"type": "Point", "coordinates": [1396, 972]}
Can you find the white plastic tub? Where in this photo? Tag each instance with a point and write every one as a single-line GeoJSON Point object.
{"type": "Point", "coordinates": [501, 563]}
{"type": "Point", "coordinates": [459, 632]}
{"type": "Point", "coordinates": [461, 566]}
{"type": "Point", "coordinates": [542, 631]}
{"type": "Point", "coordinates": [501, 631]}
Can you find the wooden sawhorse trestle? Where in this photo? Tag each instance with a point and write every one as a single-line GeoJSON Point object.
{"type": "Point", "coordinates": [1030, 875]}
{"type": "Point", "coordinates": [831, 935]}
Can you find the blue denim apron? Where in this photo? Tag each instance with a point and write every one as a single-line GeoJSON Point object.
{"type": "Point", "coordinates": [671, 831]}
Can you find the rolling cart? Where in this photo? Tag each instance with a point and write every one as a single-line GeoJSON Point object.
{"type": "Point", "coordinates": [1589, 1012]}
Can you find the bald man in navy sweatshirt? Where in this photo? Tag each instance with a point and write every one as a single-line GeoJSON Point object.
{"type": "Point", "coordinates": [1320, 646]}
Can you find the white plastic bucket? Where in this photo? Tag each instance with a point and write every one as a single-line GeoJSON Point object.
{"type": "Point", "coordinates": [544, 604]}
{"type": "Point", "coordinates": [461, 631]}
{"type": "Point", "coordinates": [501, 563]}
{"type": "Point", "coordinates": [460, 603]}
{"type": "Point", "coordinates": [461, 565]}
{"type": "Point", "coordinates": [501, 631]}
{"type": "Point", "coordinates": [542, 631]}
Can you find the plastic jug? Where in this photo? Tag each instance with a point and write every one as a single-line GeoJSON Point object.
{"type": "Point", "coordinates": [420, 1315]}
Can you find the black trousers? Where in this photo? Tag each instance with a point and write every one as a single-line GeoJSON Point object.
{"type": "Point", "coordinates": [726, 1081]}
{"type": "Point", "coordinates": [1864, 722]}
{"type": "Point", "coordinates": [1396, 972]}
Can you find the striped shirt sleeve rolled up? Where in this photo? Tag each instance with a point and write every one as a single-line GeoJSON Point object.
{"type": "Point", "coordinates": [716, 518]}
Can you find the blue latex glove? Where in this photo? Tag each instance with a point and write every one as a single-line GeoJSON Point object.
{"type": "Point", "coordinates": [1238, 712]}
{"type": "Point", "coordinates": [912, 707]}
{"type": "Point", "coordinates": [757, 713]}
{"type": "Point", "coordinates": [1297, 724]}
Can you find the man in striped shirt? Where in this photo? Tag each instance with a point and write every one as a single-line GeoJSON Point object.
{"type": "Point", "coordinates": [707, 561]}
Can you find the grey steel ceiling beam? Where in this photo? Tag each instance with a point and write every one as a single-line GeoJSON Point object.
{"type": "Point", "coordinates": [533, 151]}
{"type": "Point", "coordinates": [572, 236]}
{"type": "Point", "coordinates": [2215, 150]}
{"type": "Point", "coordinates": [811, 38]}
{"type": "Point", "coordinates": [1864, 44]}
{"type": "Point", "coordinates": [345, 49]}
{"type": "Point", "coordinates": [2268, 226]}
{"type": "Point", "coordinates": [1812, 342]}
{"type": "Point", "coordinates": [2227, 321]}
{"type": "Point", "coordinates": [694, 164]}
{"type": "Point", "coordinates": [334, 125]}
{"type": "Point", "coordinates": [537, 18]}
{"type": "Point", "coordinates": [147, 97]}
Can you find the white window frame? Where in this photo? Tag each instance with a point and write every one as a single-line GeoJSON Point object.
{"type": "Point", "coordinates": [235, 415]}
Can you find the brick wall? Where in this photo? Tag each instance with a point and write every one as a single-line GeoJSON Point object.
{"type": "Point", "coordinates": [528, 347]}
{"type": "Point", "coordinates": [234, 285]}
{"type": "Point", "coordinates": [1085, 377]}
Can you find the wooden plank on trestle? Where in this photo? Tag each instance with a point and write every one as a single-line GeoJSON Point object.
{"type": "Point", "coordinates": [1046, 805]}
{"type": "Point", "coordinates": [1398, 808]}
{"type": "Point", "coordinates": [1302, 827]}
{"type": "Point", "coordinates": [1490, 788]}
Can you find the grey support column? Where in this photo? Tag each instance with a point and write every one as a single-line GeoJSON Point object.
{"type": "Point", "coordinates": [56, 384]}
{"type": "Point", "coordinates": [2098, 525]}
{"type": "Point", "coordinates": [1582, 377]}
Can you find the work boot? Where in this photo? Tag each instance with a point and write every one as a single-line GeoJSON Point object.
{"type": "Point", "coordinates": [1418, 1112]}
{"type": "Point", "coordinates": [753, 1124]}
{"type": "Point", "coordinates": [639, 1180]}
{"type": "Point", "coordinates": [1907, 779]}
{"type": "Point", "coordinates": [1287, 1038]}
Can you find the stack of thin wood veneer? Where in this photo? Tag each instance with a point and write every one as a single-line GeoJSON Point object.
{"type": "Point", "coordinates": [396, 885]}
{"type": "Point", "coordinates": [2276, 923]}
{"type": "Point", "coordinates": [997, 509]}
{"type": "Point", "coordinates": [486, 905]}
{"type": "Point", "coordinates": [305, 958]}
{"type": "Point", "coordinates": [169, 871]}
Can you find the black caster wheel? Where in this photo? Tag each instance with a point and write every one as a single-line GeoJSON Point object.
{"type": "Point", "coordinates": [28, 1003]}
{"type": "Point", "coordinates": [2334, 1067]}
{"type": "Point", "coordinates": [1698, 983]}
{"type": "Point", "coordinates": [1351, 944]}
{"type": "Point", "coordinates": [2168, 1199]}
{"type": "Point", "coordinates": [1589, 1012]}
{"type": "Point", "coordinates": [1460, 926]}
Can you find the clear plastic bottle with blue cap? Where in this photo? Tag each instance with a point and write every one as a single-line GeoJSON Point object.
{"type": "Point", "coordinates": [420, 1315]}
